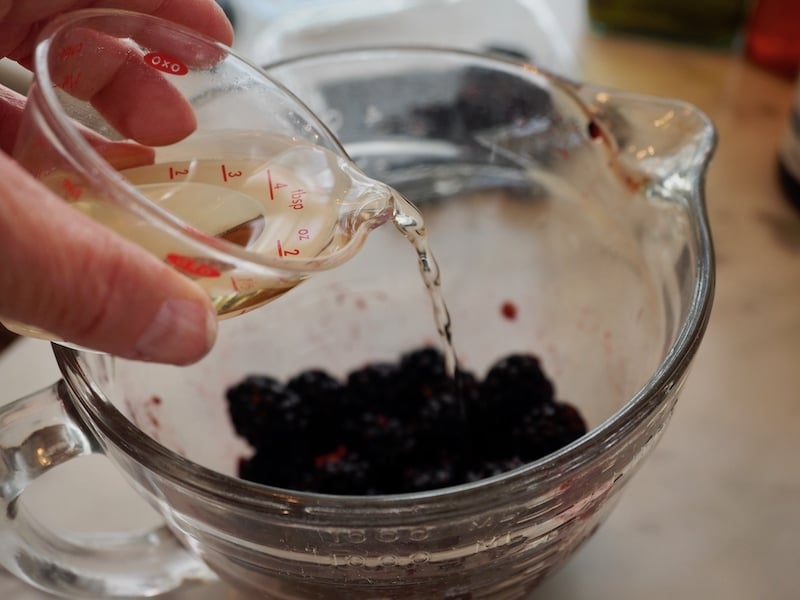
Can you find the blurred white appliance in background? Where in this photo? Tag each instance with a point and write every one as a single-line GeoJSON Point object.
{"type": "Point", "coordinates": [547, 32]}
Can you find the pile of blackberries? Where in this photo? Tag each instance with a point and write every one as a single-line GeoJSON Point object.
{"type": "Point", "coordinates": [401, 427]}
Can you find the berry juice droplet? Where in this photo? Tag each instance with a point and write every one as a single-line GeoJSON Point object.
{"type": "Point", "coordinates": [509, 311]}
{"type": "Point", "coordinates": [594, 131]}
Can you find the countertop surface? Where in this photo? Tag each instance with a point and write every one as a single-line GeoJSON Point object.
{"type": "Point", "coordinates": [713, 513]}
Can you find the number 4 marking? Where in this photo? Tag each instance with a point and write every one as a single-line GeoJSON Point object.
{"type": "Point", "coordinates": [272, 186]}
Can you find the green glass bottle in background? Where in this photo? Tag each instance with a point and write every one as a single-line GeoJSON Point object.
{"type": "Point", "coordinates": [710, 22]}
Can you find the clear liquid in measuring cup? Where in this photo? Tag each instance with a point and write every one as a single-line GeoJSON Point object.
{"type": "Point", "coordinates": [301, 203]}
{"type": "Point", "coordinates": [297, 203]}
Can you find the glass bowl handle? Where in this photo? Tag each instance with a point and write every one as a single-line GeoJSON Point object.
{"type": "Point", "coordinates": [37, 433]}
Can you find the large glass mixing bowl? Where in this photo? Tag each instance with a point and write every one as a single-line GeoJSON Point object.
{"type": "Point", "coordinates": [581, 206]}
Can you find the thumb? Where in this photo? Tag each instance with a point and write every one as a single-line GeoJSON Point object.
{"type": "Point", "coordinates": [66, 274]}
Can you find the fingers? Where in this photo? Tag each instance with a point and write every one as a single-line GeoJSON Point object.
{"type": "Point", "coordinates": [204, 16]}
{"type": "Point", "coordinates": [61, 271]}
{"type": "Point", "coordinates": [19, 28]}
{"type": "Point", "coordinates": [133, 94]}
{"type": "Point", "coordinates": [11, 106]}
{"type": "Point", "coordinates": [138, 103]}
{"type": "Point", "coordinates": [30, 11]}
{"type": "Point", "coordinates": [131, 86]}
{"type": "Point", "coordinates": [13, 37]}
{"type": "Point", "coordinates": [66, 274]}
{"type": "Point", "coordinates": [134, 97]}
{"type": "Point", "coordinates": [120, 155]}
{"type": "Point", "coordinates": [201, 15]}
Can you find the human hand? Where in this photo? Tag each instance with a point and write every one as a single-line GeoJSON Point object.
{"type": "Point", "coordinates": [63, 272]}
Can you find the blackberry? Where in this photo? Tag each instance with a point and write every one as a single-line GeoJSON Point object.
{"type": "Point", "coordinates": [260, 405]}
{"type": "Point", "coordinates": [468, 390]}
{"type": "Point", "coordinates": [545, 429]}
{"type": "Point", "coordinates": [572, 422]}
{"type": "Point", "coordinates": [348, 474]}
{"type": "Point", "coordinates": [422, 376]}
{"type": "Point", "coordinates": [440, 428]}
{"type": "Point", "coordinates": [425, 365]}
{"type": "Point", "coordinates": [396, 428]}
{"type": "Point", "coordinates": [283, 470]}
{"type": "Point", "coordinates": [420, 479]}
{"type": "Point", "coordinates": [316, 387]}
{"type": "Point", "coordinates": [490, 468]}
{"type": "Point", "coordinates": [372, 387]}
{"type": "Point", "coordinates": [514, 384]}
{"type": "Point", "coordinates": [378, 435]}
{"type": "Point", "coordinates": [321, 398]}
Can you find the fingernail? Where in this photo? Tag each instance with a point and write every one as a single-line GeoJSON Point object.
{"type": "Point", "coordinates": [182, 332]}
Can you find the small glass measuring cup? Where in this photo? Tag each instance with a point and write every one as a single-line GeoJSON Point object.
{"type": "Point", "coordinates": [178, 144]}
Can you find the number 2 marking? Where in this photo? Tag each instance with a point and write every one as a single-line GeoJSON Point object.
{"type": "Point", "coordinates": [284, 252]}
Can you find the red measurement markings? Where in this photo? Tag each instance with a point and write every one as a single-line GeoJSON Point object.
{"type": "Point", "coordinates": [284, 252]}
{"type": "Point", "coordinates": [72, 190]}
{"type": "Point", "coordinates": [297, 199]}
{"type": "Point", "coordinates": [70, 51]}
{"type": "Point", "coordinates": [228, 174]}
{"type": "Point", "coordinates": [243, 284]}
{"type": "Point", "coordinates": [173, 173]}
{"type": "Point", "coordinates": [273, 185]}
{"type": "Point", "coordinates": [69, 81]}
{"type": "Point", "coordinates": [192, 266]}
{"type": "Point", "coordinates": [271, 188]}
